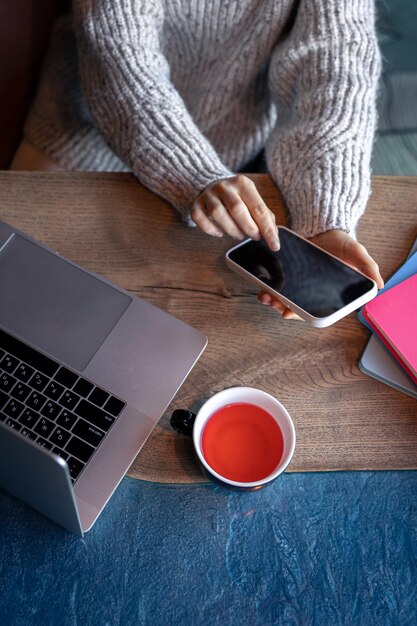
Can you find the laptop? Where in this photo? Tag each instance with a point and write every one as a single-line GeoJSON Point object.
{"type": "Point", "coordinates": [86, 371]}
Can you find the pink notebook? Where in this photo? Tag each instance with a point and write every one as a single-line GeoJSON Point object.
{"type": "Point", "coordinates": [393, 317]}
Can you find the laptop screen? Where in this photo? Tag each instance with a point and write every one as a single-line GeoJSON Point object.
{"type": "Point", "coordinates": [54, 305]}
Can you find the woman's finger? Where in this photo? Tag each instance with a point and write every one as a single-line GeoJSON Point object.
{"type": "Point", "coordinates": [290, 315]}
{"type": "Point", "coordinates": [260, 213]}
{"type": "Point", "coordinates": [357, 255]}
{"type": "Point", "coordinates": [238, 211]}
{"type": "Point", "coordinates": [371, 269]}
{"type": "Point", "coordinates": [343, 246]}
{"type": "Point", "coordinates": [200, 218]}
{"type": "Point", "coordinates": [218, 213]}
{"type": "Point", "coordinates": [268, 300]}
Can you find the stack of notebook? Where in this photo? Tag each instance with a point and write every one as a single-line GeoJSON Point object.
{"type": "Point", "coordinates": [391, 353]}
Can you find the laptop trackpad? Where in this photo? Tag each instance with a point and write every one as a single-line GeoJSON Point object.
{"type": "Point", "coordinates": [54, 305]}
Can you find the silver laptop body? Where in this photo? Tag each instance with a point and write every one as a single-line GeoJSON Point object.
{"type": "Point", "coordinates": [120, 343]}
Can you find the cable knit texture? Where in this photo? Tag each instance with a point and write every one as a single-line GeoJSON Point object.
{"type": "Point", "coordinates": [185, 92]}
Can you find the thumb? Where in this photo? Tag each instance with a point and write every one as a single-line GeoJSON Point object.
{"type": "Point", "coordinates": [357, 255]}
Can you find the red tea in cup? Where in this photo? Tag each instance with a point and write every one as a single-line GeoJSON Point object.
{"type": "Point", "coordinates": [242, 442]}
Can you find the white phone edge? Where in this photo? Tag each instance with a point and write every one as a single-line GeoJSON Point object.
{"type": "Point", "coordinates": [318, 322]}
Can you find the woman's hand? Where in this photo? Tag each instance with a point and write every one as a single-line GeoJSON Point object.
{"type": "Point", "coordinates": [342, 245]}
{"type": "Point", "coordinates": [235, 207]}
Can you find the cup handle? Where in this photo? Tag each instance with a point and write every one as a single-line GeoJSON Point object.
{"type": "Point", "coordinates": [183, 421]}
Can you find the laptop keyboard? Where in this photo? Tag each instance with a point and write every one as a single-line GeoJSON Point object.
{"type": "Point", "coordinates": [53, 406]}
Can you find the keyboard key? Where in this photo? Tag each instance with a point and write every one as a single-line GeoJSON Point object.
{"type": "Point", "coordinates": [38, 381]}
{"type": "Point", "coordinates": [25, 353]}
{"type": "Point", "coordinates": [2, 416]}
{"type": "Point", "coordinates": [59, 437]}
{"type": "Point", "coordinates": [2, 353]}
{"type": "Point", "coordinates": [9, 363]}
{"type": "Point", "coordinates": [44, 427]}
{"type": "Point", "coordinates": [93, 414]}
{"type": "Point", "coordinates": [69, 400]}
{"type": "Point", "coordinates": [88, 433]}
{"type": "Point", "coordinates": [83, 387]}
{"type": "Point", "coordinates": [51, 410]}
{"type": "Point", "coordinates": [66, 378]}
{"type": "Point", "coordinates": [24, 372]}
{"type": "Point", "coordinates": [6, 381]}
{"type": "Point", "coordinates": [79, 449]}
{"type": "Point", "coordinates": [28, 433]}
{"type": "Point", "coordinates": [67, 419]}
{"type": "Point", "coordinates": [114, 406]}
{"type": "Point", "coordinates": [12, 424]}
{"type": "Point", "coordinates": [3, 399]}
{"type": "Point", "coordinates": [45, 444]}
{"type": "Point", "coordinates": [98, 396]}
{"type": "Point", "coordinates": [21, 391]}
{"type": "Point", "coordinates": [36, 400]}
{"type": "Point", "coordinates": [13, 408]}
{"type": "Point", "coordinates": [29, 418]}
{"type": "Point", "coordinates": [54, 390]}
{"type": "Point", "coordinates": [61, 453]}
{"type": "Point", "coordinates": [74, 467]}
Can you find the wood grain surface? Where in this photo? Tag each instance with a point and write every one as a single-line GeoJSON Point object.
{"type": "Point", "coordinates": [344, 420]}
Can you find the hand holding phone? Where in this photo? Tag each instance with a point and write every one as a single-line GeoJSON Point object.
{"type": "Point", "coordinates": [311, 282]}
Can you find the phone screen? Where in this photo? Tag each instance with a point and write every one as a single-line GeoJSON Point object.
{"type": "Point", "coordinates": [310, 278]}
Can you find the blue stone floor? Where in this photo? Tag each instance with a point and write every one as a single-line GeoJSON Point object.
{"type": "Point", "coordinates": [324, 549]}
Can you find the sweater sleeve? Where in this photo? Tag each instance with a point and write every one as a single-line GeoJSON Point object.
{"type": "Point", "coordinates": [323, 78]}
{"type": "Point", "coordinates": [126, 81]}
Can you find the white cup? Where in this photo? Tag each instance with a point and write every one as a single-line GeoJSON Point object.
{"type": "Point", "coordinates": [188, 423]}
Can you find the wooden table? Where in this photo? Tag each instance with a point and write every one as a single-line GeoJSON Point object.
{"type": "Point", "coordinates": [110, 224]}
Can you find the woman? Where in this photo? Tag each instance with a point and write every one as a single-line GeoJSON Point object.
{"type": "Point", "coordinates": [185, 93]}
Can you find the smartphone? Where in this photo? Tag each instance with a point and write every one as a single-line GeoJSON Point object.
{"type": "Point", "coordinates": [313, 283]}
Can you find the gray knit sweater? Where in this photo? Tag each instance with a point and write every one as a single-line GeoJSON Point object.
{"type": "Point", "coordinates": [184, 92]}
